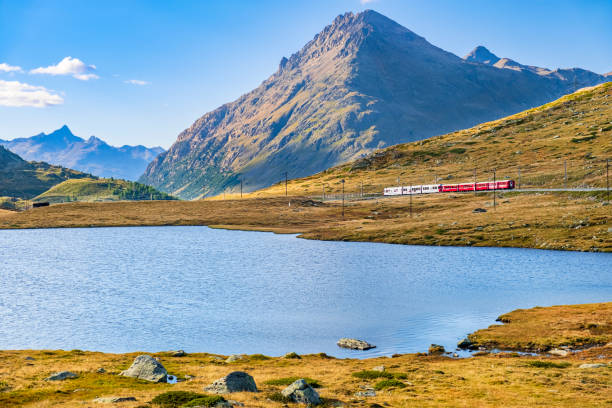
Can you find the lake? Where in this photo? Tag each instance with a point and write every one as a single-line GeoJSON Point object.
{"type": "Point", "coordinates": [207, 290]}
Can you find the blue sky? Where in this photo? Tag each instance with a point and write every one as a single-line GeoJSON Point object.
{"type": "Point", "coordinates": [142, 71]}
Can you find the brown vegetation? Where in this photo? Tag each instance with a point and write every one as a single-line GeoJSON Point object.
{"type": "Point", "coordinates": [486, 380]}
{"type": "Point", "coordinates": [570, 221]}
{"type": "Point", "coordinates": [544, 328]}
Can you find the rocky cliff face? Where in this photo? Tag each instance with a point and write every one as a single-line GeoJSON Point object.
{"type": "Point", "coordinates": [93, 155]}
{"type": "Point", "coordinates": [362, 83]}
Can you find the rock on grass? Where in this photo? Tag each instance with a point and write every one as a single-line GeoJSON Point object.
{"type": "Point", "coordinates": [236, 381]}
{"type": "Point", "coordinates": [302, 393]}
{"type": "Point", "coordinates": [146, 368]}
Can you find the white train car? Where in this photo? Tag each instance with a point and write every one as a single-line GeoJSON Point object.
{"type": "Point", "coordinates": [421, 189]}
{"type": "Point", "coordinates": [391, 191]}
{"type": "Point", "coordinates": [409, 190]}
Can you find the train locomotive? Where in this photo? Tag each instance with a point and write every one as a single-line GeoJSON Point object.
{"type": "Point", "coordinates": [447, 188]}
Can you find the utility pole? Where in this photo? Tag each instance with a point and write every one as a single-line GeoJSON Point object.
{"type": "Point", "coordinates": [565, 170]}
{"type": "Point", "coordinates": [410, 192]}
{"type": "Point", "coordinates": [342, 181]}
{"type": "Point", "coordinates": [285, 184]}
{"type": "Point", "coordinates": [608, 179]}
{"type": "Point", "coordinates": [494, 187]}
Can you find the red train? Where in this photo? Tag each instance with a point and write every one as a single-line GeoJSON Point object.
{"type": "Point", "coordinates": [483, 186]}
{"type": "Point", "coordinates": [447, 188]}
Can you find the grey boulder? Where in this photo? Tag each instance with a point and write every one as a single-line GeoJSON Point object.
{"type": "Point", "coordinates": [235, 357]}
{"type": "Point", "coordinates": [236, 381]}
{"type": "Point", "coordinates": [146, 368]}
{"type": "Point", "coordinates": [113, 400]}
{"type": "Point", "coordinates": [597, 365]}
{"type": "Point", "coordinates": [354, 344]}
{"type": "Point", "coordinates": [62, 375]}
{"type": "Point", "coordinates": [302, 393]}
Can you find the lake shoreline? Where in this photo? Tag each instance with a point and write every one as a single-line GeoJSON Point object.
{"type": "Point", "coordinates": [554, 221]}
{"type": "Point", "coordinates": [434, 379]}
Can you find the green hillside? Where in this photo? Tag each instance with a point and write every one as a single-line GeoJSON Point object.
{"type": "Point", "coordinates": [22, 179]}
{"type": "Point", "coordinates": [92, 189]}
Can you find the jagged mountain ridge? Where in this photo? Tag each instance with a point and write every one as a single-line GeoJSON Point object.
{"type": "Point", "coordinates": [93, 155]}
{"type": "Point", "coordinates": [363, 83]}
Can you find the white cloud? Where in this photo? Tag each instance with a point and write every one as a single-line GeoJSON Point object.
{"type": "Point", "coordinates": [136, 82]}
{"type": "Point", "coordinates": [19, 94]}
{"type": "Point", "coordinates": [69, 66]}
{"type": "Point", "coordinates": [4, 67]}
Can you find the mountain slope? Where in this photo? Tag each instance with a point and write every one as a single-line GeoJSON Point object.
{"type": "Point", "coordinates": [363, 83]}
{"type": "Point", "coordinates": [93, 155]}
{"type": "Point", "coordinates": [533, 147]}
{"type": "Point", "coordinates": [22, 179]}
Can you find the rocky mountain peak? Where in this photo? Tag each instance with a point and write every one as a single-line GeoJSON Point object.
{"type": "Point", "coordinates": [482, 55]}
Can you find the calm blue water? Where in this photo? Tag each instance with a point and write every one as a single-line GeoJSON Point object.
{"type": "Point", "coordinates": [200, 289]}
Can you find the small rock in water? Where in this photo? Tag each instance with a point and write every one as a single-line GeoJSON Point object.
{"type": "Point", "coordinates": [380, 368]}
{"type": "Point", "coordinates": [146, 368]}
{"type": "Point", "coordinates": [598, 365]}
{"type": "Point", "coordinates": [302, 393]}
{"type": "Point", "coordinates": [62, 375]}
{"type": "Point", "coordinates": [558, 352]}
{"type": "Point", "coordinates": [236, 381]}
{"type": "Point", "coordinates": [436, 349]}
{"type": "Point", "coordinates": [464, 344]}
{"type": "Point", "coordinates": [171, 379]}
{"type": "Point", "coordinates": [113, 400]}
{"type": "Point", "coordinates": [234, 358]}
{"type": "Point", "coordinates": [355, 344]}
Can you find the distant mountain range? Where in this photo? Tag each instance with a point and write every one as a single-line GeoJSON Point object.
{"type": "Point", "coordinates": [363, 83]}
{"type": "Point", "coordinates": [92, 155]}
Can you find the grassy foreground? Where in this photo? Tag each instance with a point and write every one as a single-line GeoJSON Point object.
{"type": "Point", "coordinates": [419, 380]}
{"type": "Point", "coordinates": [568, 221]}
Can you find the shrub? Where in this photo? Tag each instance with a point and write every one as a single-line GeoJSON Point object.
{"type": "Point", "coordinates": [371, 375]}
{"type": "Point", "coordinates": [547, 364]}
{"type": "Point", "coordinates": [278, 397]}
{"type": "Point", "coordinates": [259, 357]}
{"type": "Point", "coordinates": [388, 384]}
{"type": "Point", "coordinates": [290, 380]}
{"type": "Point", "coordinates": [178, 399]}
{"type": "Point", "coordinates": [208, 401]}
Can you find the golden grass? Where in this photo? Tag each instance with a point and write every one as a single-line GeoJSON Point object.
{"type": "Point", "coordinates": [543, 328]}
{"type": "Point", "coordinates": [569, 221]}
{"type": "Point", "coordinates": [576, 129]}
{"type": "Point", "coordinates": [491, 380]}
